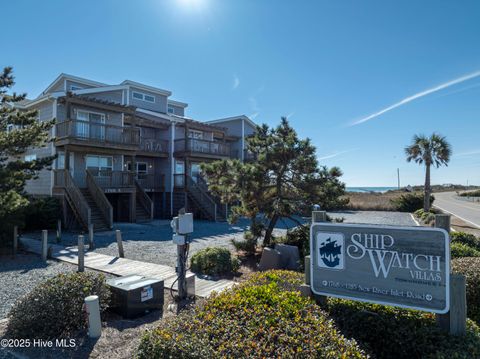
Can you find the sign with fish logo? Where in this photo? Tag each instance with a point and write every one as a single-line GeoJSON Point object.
{"type": "Point", "coordinates": [407, 267]}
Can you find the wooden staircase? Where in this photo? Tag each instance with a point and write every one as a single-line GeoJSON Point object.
{"type": "Point", "coordinates": [141, 214]}
{"type": "Point", "coordinates": [96, 216]}
{"type": "Point", "coordinates": [202, 202]}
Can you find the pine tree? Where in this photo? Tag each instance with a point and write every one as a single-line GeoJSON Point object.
{"type": "Point", "coordinates": [19, 130]}
{"type": "Point", "coordinates": [284, 180]}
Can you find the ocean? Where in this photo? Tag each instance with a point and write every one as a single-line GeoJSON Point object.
{"type": "Point", "coordinates": [370, 189]}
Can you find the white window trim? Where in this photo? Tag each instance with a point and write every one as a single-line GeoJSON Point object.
{"type": "Point", "coordinates": [170, 109]}
{"type": "Point", "coordinates": [143, 96]}
{"type": "Point", "coordinates": [90, 112]}
{"type": "Point", "coordinates": [111, 167]}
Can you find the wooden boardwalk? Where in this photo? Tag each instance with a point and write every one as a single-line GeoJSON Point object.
{"type": "Point", "coordinates": [123, 266]}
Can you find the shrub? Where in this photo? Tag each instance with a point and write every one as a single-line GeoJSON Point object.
{"type": "Point", "coordinates": [471, 193]}
{"type": "Point", "coordinates": [389, 332]}
{"type": "Point", "coordinates": [53, 309]}
{"type": "Point", "coordinates": [465, 238]}
{"type": "Point", "coordinates": [470, 268]}
{"type": "Point", "coordinates": [458, 250]}
{"type": "Point", "coordinates": [42, 213]}
{"type": "Point", "coordinates": [425, 217]}
{"type": "Point", "coordinates": [409, 202]}
{"type": "Point", "coordinates": [214, 261]}
{"type": "Point", "coordinates": [300, 237]}
{"type": "Point", "coordinates": [259, 318]}
{"type": "Point", "coordinates": [248, 244]}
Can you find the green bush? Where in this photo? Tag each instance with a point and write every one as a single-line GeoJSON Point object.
{"type": "Point", "coordinates": [389, 332]}
{"type": "Point", "coordinates": [53, 309]}
{"type": "Point", "coordinates": [214, 261]}
{"type": "Point", "coordinates": [470, 268]}
{"type": "Point", "coordinates": [248, 244]}
{"type": "Point", "coordinates": [471, 194]}
{"type": "Point", "coordinates": [409, 202]}
{"type": "Point", "coordinates": [259, 318]}
{"type": "Point", "coordinates": [465, 238]}
{"type": "Point", "coordinates": [459, 250]}
{"type": "Point", "coordinates": [42, 213]}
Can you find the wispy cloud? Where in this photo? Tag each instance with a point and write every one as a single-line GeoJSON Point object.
{"type": "Point", "coordinates": [333, 155]}
{"type": "Point", "coordinates": [468, 153]}
{"type": "Point", "coordinates": [254, 107]}
{"type": "Point", "coordinates": [416, 96]}
{"type": "Point", "coordinates": [290, 115]}
{"type": "Point", "coordinates": [236, 82]}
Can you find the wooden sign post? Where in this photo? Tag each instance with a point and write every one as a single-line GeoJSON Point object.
{"type": "Point", "coordinates": [455, 321]}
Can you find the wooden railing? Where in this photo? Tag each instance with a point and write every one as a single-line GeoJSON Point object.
{"type": "Point", "coordinates": [202, 197]}
{"type": "Point", "coordinates": [98, 132]}
{"type": "Point", "coordinates": [80, 206]}
{"type": "Point", "coordinates": [144, 199]}
{"type": "Point", "coordinates": [202, 146]}
{"type": "Point", "coordinates": [221, 208]}
{"type": "Point", "coordinates": [100, 199]}
{"type": "Point", "coordinates": [151, 181]}
{"type": "Point", "coordinates": [154, 145]}
{"type": "Point", "coordinates": [112, 179]}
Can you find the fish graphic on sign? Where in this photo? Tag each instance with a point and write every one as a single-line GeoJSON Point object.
{"type": "Point", "coordinates": [330, 250]}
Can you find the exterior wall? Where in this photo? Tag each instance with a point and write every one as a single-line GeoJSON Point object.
{"type": "Point", "coordinates": [77, 84]}
{"type": "Point", "coordinates": [160, 104]}
{"type": "Point", "coordinates": [177, 110]}
{"type": "Point", "coordinates": [111, 118]}
{"type": "Point", "coordinates": [43, 184]}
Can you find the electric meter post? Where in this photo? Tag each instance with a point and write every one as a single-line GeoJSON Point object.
{"type": "Point", "coordinates": [182, 226]}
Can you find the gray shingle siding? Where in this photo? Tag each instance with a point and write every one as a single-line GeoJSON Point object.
{"type": "Point", "coordinates": [160, 104]}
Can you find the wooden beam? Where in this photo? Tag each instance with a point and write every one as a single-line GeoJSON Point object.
{"type": "Point", "coordinates": [69, 99]}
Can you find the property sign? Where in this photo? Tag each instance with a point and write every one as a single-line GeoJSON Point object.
{"type": "Point", "coordinates": [407, 267]}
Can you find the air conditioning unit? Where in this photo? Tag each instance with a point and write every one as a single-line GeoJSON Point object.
{"type": "Point", "coordinates": [135, 295]}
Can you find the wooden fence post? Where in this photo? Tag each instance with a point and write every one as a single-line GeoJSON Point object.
{"type": "Point", "coordinates": [91, 243]}
{"type": "Point", "coordinates": [81, 254]}
{"type": "Point", "coordinates": [119, 243]}
{"type": "Point", "coordinates": [59, 231]}
{"type": "Point", "coordinates": [15, 240]}
{"type": "Point", "coordinates": [44, 251]}
{"type": "Point", "coordinates": [455, 321]}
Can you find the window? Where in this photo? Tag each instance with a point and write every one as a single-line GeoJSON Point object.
{"type": "Point", "coordinates": [30, 158]}
{"type": "Point", "coordinates": [195, 134]}
{"type": "Point", "coordinates": [94, 128]}
{"type": "Point", "coordinates": [143, 97]}
{"type": "Point", "coordinates": [99, 163]}
{"type": "Point", "coordinates": [75, 88]}
{"type": "Point", "coordinates": [141, 169]}
{"type": "Point", "coordinates": [170, 109]}
{"type": "Point", "coordinates": [179, 167]}
{"type": "Point", "coordinates": [10, 127]}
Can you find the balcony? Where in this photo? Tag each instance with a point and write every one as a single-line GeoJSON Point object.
{"type": "Point", "coordinates": [153, 146]}
{"type": "Point", "coordinates": [151, 182]}
{"type": "Point", "coordinates": [203, 148]}
{"type": "Point", "coordinates": [97, 134]}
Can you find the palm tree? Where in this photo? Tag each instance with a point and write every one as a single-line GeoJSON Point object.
{"type": "Point", "coordinates": [433, 150]}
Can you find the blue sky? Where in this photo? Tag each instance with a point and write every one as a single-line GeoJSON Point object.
{"type": "Point", "coordinates": [324, 64]}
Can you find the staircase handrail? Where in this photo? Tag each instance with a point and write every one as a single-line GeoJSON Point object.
{"type": "Point", "coordinates": [100, 199]}
{"type": "Point", "coordinates": [211, 206]}
{"type": "Point", "coordinates": [77, 198]}
{"type": "Point", "coordinates": [144, 199]}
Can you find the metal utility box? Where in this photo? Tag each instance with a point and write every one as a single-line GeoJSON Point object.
{"type": "Point", "coordinates": [134, 295]}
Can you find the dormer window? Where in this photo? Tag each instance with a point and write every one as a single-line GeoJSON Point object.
{"type": "Point", "coordinates": [143, 97]}
{"type": "Point", "coordinates": [170, 109]}
{"type": "Point", "coordinates": [75, 88]}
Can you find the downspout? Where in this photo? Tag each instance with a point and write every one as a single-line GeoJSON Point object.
{"type": "Point", "coordinates": [172, 149]}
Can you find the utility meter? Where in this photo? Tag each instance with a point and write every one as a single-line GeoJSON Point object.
{"type": "Point", "coordinates": [184, 224]}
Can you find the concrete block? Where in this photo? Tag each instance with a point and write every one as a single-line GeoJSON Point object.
{"type": "Point", "coordinates": [271, 259]}
{"type": "Point", "coordinates": [305, 290]}
{"type": "Point", "coordinates": [290, 256]}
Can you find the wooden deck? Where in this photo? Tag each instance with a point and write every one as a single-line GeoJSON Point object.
{"type": "Point", "coordinates": [123, 266]}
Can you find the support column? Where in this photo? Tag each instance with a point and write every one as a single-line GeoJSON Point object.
{"type": "Point", "coordinates": [133, 195]}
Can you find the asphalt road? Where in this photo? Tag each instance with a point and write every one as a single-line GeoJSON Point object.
{"type": "Point", "coordinates": [467, 211]}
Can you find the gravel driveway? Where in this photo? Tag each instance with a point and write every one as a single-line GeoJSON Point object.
{"type": "Point", "coordinates": [21, 274]}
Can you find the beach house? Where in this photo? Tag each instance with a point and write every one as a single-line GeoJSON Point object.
{"type": "Point", "coordinates": [128, 152]}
